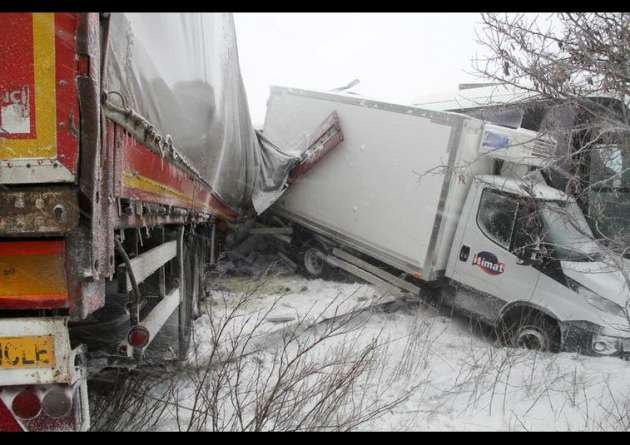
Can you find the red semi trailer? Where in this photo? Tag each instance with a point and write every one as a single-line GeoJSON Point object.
{"type": "Point", "coordinates": [126, 151]}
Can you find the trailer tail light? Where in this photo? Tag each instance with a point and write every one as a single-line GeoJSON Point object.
{"type": "Point", "coordinates": [138, 336]}
{"type": "Point", "coordinates": [58, 402]}
{"type": "Point", "coordinates": [33, 275]}
{"type": "Point", "coordinates": [26, 404]}
{"type": "Point", "coordinates": [51, 407]}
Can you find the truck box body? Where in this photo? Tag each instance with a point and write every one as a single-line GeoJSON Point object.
{"type": "Point", "coordinates": [386, 189]}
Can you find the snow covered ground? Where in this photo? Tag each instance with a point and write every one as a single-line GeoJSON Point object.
{"type": "Point", "coordinates": [420, 368]}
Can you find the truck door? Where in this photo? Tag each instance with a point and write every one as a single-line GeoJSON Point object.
{"type": "Point", "coordinates": [486, 272]}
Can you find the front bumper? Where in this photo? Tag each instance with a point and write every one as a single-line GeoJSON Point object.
{"type": "Point", "coordinates": [592, 339]}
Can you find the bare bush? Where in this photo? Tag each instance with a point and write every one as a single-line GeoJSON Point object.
{"type": "Point", "coordinates": [321, 372]}
{"type": "Point", "coordinates": [131, 400]}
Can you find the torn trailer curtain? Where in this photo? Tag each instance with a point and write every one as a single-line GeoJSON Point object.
{"type": "Point", "coordinates": [180, 72]}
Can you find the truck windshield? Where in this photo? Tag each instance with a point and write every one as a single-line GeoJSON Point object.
{"type": "Point", "coordinates": [566, 232]}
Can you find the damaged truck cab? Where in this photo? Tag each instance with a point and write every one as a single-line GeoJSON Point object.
{"type": "Point", "coordinates": [524, 260]}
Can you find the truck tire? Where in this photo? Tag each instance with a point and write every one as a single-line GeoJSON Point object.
{"type": "Point", "coordinates": [312, 260]}
{"type": "Point", "coordinates": [531, 329]}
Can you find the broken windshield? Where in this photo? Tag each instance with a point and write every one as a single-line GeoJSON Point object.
{"type": "Point", "coordinates": [566, 232]}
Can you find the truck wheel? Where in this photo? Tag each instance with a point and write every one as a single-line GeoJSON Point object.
{"type": "Point", "coordinates": [532, 330]}
{"type": "Point", "coordinates": [313, 262]}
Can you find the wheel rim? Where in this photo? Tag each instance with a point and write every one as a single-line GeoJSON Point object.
{"type": "Point", "coordinates": [532, 338]}
{"type": "Point", "coordinates": [314, 261]}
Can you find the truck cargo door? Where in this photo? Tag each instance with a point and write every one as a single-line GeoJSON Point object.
{"type": "Point", "coordinates": [39, 117]}
{"type": "Point", "coordinates": [488, 275]}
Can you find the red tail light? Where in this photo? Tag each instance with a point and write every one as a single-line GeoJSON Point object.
{"type": "Point", "coordinates": [26, 404]}
{"type": "Point", "coordinates": [138, 337]}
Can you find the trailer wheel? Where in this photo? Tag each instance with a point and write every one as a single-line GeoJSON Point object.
{"type": "Point", "coordinates": [313, 260]}
{"type": "Point", "coordinates": [530, 329]}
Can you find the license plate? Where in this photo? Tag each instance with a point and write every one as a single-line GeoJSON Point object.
{"type": "Point", "coordinates": [27, 352]}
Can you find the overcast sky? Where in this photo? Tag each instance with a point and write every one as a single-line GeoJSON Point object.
{"type": "Point", "coordinates": [396, 57]}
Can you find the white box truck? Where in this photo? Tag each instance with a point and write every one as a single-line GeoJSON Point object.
{"type": "Point", "coordinates": [415, 198]}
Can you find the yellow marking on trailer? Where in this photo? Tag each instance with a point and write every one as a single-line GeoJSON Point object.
{"type": "Point", "coordinates": [44, 145]}
{"type": "Point", "coordinates": [135, 181]}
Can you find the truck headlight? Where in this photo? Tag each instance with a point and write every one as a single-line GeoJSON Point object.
{"type": "Point", "coordinates": [604, 345]}
{"type": "Point", "coordinates": [595, 338]}
{"type": "Point", "coordinates": [599, 302]}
